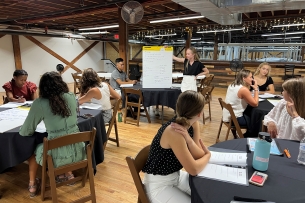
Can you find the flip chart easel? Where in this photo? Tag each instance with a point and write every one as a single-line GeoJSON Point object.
{"type": "Point", "coordinates": [157, 67]}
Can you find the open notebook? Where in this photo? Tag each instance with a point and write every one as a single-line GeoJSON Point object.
{"type": "Point", "coordinates": [227, 166]}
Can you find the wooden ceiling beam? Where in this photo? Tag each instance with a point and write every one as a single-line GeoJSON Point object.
{"type": "Point", "coordinates": [272, 13]}
{"type": "Point", "coordinates": [2, 36]}
{"type": "Point", "coordinates": [41, 45]}
{"type": "Point", "coordinates": [260, 14]}
{"type": "Point", "coordinates": [247, 15]}
{"type": "Point", "coordinates": [300, 11]}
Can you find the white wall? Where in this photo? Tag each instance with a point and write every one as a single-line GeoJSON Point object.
{"type": "Point", "coordinates": [37, 61]}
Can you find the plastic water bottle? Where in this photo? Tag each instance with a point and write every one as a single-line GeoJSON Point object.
{"type": "Point", "coordinates": [119, 116]}
{"type": "Point", "coordinates": [301, 157]}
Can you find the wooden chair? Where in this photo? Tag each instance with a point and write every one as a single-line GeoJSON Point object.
{"type": "Point", "coordinates": [5, 99]}
{"type": "Point", "coordinates": [76, 77]}
{"type": "Point", "coordinates": [53, 172]}
{"type": "Point", "coordinates": [205, 82]}
{"type": "Point", "coordinates": [234, 128]}
{"type": "Point", "coordinates": [135, 166]}
{"type": "Point", "coordinates": [129, 105]}
{"type": "Point", "coordinates": [207, 94]}
{"type": "Point", "coordinates": [264, 128]}
{"type": "Point", "coordinates": [112, 123]}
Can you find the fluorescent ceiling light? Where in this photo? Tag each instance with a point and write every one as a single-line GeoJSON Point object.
{"type": "Point", "coordinates": [93, 33]}
{"type": "Point", "coordinates": [226, 30]}
{"type": "Point", "coordinates": [283, 33]}
{"type": "Point", "coordinates": [75, 36]}
{"type": "Point", "coordinates": [193, 39]}
{"type": "Point", "coordinates": [175, 19]}
{"type": "Point", "coordinates": [289, 25]}
{"type": "Point", "coordinates": [99, 28]}
{"type": "Point", "coordinates": [273, 38]}
{"type": "Point", "coordinates": [165, 35]}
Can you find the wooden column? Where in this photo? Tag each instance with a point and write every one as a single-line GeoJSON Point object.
{"type": "Point", "coordinates": [215, 52]}
{"type": "Point", "coordinates": [302, 53]}
{"type": "Point", "coordinates": [123, 40]}
{"type": "Point", "coordinates": [16, 49]}
{"type": "Point", "coordinates": [188, 40]}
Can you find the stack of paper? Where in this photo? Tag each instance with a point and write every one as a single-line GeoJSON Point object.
{"type": "Point", "coordinates": [227, 167]}
{"type": "Point", "coordinates": [90, 106]}
{"type": "Point", "coordinates": [266, 95]}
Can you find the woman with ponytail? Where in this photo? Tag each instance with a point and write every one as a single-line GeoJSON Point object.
{"type": "Point", "coordinates": [177, 145]}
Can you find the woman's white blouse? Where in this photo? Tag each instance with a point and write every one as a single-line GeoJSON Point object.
{"type": "Point", "coordinates": [287, 126]}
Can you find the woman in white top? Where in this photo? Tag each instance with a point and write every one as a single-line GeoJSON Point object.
{"type": "Point", "coordinates": [239, 96]}
{"type": "Point", "coordinates": [286, 119]}
{"type": "Point", "coordinates": [95, 91]}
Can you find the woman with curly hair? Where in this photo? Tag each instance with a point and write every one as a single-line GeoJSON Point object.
{"type": "Point", "coordinates": [19, 89]}
{"type": "Point", "coordinates": [56, 106]}
{"type": "Point", "coordinates": [95, 91]}
{"type": "Point", "coordinates": [177, 145]}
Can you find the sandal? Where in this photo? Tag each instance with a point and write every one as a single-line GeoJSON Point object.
{"type": "Point", "coordinates": [60, 178]}
{"type": "Point", "coordinates": [70, 177]}
{"type": "Point", "coordinates": [36, 186]}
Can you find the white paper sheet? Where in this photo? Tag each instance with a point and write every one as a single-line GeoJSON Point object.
{"type": "Point", "coordinates": [90, 106]}
{"type": "Point", "coordinates": [41, 128]}
{"type": "Point", "coordinates": [126, 85]}
{"type": "Point", "coordinates": [14, 104]}
{"type": "Point", "coordinates": [237, 159]}
{"type": "Point", "coordinates": [12, 118]}
{"type": "Point", "coordinates": [273, 101]}
{"type": "Point", "coordinates": [261, 99]}
{"type": "Point", "coordinates": [225, 173]}
{"type": "Point", "coordinates": [266, 95]}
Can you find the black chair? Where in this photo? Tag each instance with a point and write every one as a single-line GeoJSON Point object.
{"type": "Point", "coordinates": [134, 72]}
{"type": "Point", "coordinates": [289, 71]}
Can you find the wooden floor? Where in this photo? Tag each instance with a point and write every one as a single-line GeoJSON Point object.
{"type": "Point", "coordinates": [113, 182]}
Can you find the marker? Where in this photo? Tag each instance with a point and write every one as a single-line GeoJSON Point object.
{"type": "Point", "coordinates": [287, 153]}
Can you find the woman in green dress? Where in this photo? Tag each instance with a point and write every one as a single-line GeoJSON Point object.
{"type": "Point", "coordinates": [57, 107]}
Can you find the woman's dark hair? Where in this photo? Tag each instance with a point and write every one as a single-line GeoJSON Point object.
{"type": "Point", "coordinates": [19, 72]}
{"type": "Point", "coordinates": [52, 87]}
{"type": "Point", "coordinates": [189, 104]}
{"type": "Point", "coordinates": [89, 80]}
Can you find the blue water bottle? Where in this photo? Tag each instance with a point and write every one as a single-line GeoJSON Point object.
{"type": "Point", "coordinates": [262, 151]}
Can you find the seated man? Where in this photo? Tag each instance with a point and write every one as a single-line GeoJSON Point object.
{"type": "Point", "coordinates": [119, 77]}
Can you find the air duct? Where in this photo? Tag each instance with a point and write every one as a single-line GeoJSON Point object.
{"type": "Point", "coordinates": [229, 12]}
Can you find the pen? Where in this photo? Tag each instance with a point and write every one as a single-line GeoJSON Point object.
{"type": "Point", "coordinates": [287, 153]}
{"type": "Point", "coordinates": [235, 166]}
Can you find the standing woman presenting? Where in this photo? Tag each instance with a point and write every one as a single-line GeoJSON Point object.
{"type": "Point", "coordinates": [192, 69]}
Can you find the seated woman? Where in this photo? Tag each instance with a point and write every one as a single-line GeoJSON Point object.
{"type": "Point", "coordinates": [177, 145]}
{"type": "Point", "coordinates": [263, 78]}
{"type": "Point", "coordinates": [286, 119]}
{"type": "Point", "coordinates": [56, 106]}
{"type": "Point", "coordinates": [239, 96]}
{"type": "Point", "coordinates": [95, 91]}
{"type": "Point", "coordinates": [20, 90]}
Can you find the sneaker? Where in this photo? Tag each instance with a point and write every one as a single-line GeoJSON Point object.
{"type": "Point", "coordinates": [157, 112]}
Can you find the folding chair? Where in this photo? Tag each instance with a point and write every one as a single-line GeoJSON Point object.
{"type": "Point", "coordinates": [5, 99]}
{"type": "Point", "coordinates": [135, 166]}
{"type": "Point", "coordinates": [112, 123]}
{"type": "Point", "coordinates": [205, 82]}
{"type": "Point", "coordinates": [207, 94]}
{"type": "Point", "coordinates": [76, 77]}
{"type": "Point", "coordinates": [234, 128]}
{"type": "Point", "coordinates": [139, 104]}
{"type": "Point", "coordinates": [53, 172]}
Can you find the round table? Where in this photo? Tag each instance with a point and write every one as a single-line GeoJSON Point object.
{"type": "Point", "coordinates": [15, 149]}
{"type": "Point", "coordinates": [285, 182]}
{"type": "Point", "coordinates": [256, 116]}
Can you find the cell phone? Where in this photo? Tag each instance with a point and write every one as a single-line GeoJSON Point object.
{"type": "Point", "coordinates": [88, 115]}
{"type": "Point", "coordinates": [253, 82]}
{"type": "Point", "coordinates": [258, 178]}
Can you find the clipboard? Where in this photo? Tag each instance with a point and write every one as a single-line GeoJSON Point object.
{"type": "Point", "coordinates": [275, 148]}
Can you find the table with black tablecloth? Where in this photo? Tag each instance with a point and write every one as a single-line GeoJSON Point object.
{"type": "Point", "coordinates": [256, 115]}
{"type": "Point", "coordinates": [285, 182]}
{"type": "Point", "coordinates": [158, 96]}
{"type": "Point", "coordinates": [15, 149]}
